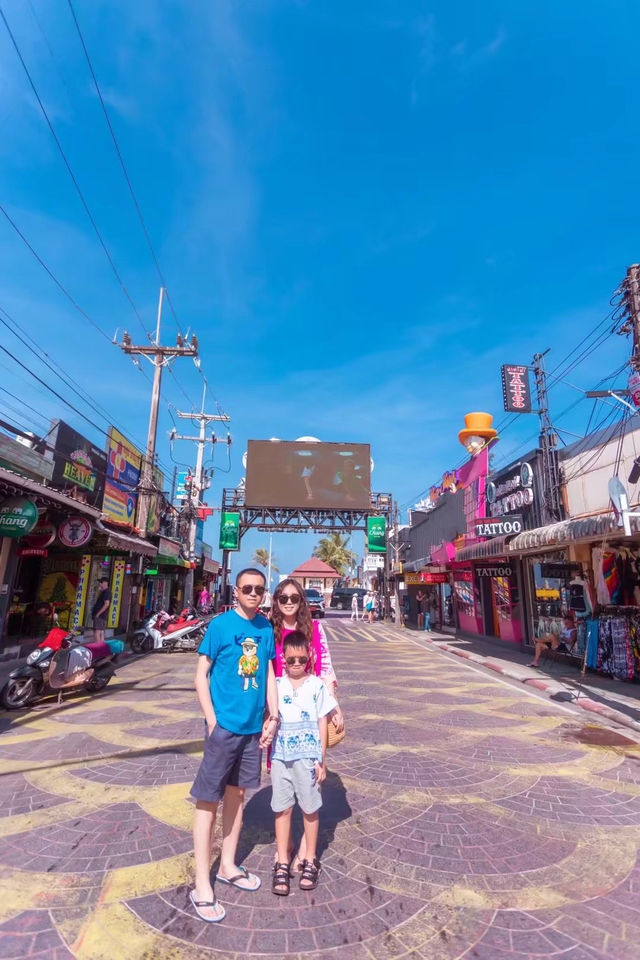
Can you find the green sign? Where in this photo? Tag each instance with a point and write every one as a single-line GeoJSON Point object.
{"type": "Point", "coordinates": [376, 535]}
{"type": "Point", "coordinates": [18, 516]}
{"type": "Point", "coordinates": [230, 531]}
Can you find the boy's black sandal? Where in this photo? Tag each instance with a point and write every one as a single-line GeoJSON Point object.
{"type": "Point", "coordinates": [281, 881]}
{"type": "Point", "coordinates": [309, 874]}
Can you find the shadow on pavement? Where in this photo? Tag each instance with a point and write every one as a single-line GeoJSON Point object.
{"type": "Point", "coordinates": [258, 825]}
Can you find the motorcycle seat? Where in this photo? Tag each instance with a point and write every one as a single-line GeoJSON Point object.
{"type": "Point", "coordinates": [99, 649]}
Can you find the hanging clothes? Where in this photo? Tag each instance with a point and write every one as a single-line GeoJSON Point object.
{"type": "Point", "coordinates": [611, 575]}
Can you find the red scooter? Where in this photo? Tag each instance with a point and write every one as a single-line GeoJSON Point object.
{"type": "Point", "coordinates": [164, 632]}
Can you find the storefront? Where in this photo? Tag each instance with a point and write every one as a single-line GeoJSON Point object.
{"type": "Point", "coordinates": [431, 584]}
{"type": "Point", "coordinates": [489, 597]}
{"type": "Point", "coordinates": [39, 571]}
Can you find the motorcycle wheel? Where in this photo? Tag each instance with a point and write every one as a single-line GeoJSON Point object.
{"type": "Point", "coordinates": [98, 682]}
{"type": "Point", "coordinates": [18, 693]}
{"type": "Point", "coordinates": [140, 644]}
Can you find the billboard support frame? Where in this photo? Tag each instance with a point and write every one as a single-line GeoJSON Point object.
{"type": "Point", "coordinates": [304, 520]}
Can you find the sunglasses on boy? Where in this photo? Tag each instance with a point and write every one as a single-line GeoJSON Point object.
{"type": "Point", "coordinates": [248, 588]}
{"type": "Point", "coordinates": [289, 598]}
{"type": "Point", "coordinates": [291, 661]}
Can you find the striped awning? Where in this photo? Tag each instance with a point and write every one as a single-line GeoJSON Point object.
{"type": "Point", "coordinates": [496, 547]}
{"type": "Point", "coordinates": [597, 527]}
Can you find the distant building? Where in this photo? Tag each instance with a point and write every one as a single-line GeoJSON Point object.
{"type": "Point", "coordinates": [317, 574]}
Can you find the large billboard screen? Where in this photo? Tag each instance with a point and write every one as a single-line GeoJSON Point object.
{"type": "Point", "coordinates": [330, 476]}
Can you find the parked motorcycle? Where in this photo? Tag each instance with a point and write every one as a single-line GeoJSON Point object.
{"type": "Point", "coordinates": [164, 632]}
{"type": "Point", "coordinates": [61, 661]}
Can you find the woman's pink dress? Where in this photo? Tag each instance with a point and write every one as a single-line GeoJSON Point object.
{"type": "Point", "coordinates": [322, 666]}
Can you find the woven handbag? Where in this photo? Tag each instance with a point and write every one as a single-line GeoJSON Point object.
{"type": "Point", "coordinates": [333, 737]}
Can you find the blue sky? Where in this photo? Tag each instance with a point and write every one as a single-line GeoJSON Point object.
{"type": "Point", "coordinates": [363, 209]}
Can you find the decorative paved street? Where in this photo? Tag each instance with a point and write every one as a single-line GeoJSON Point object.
{"type": "Point", "coordinates": [463, 818]}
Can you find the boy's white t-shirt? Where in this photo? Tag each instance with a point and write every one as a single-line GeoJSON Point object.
{"type": "Point", "coordinates": [298, 735]}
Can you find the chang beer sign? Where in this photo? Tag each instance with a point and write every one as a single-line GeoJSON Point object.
{"type": "Point", "coordinates": [230, 531]}
{"type": "Point", "coordinates": [376, 534]}
{"type": "Point", "coordinates": [18, 517]}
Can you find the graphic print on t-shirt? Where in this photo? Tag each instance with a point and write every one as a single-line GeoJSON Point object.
{"type": "Point", "coordinates": [249, 664]}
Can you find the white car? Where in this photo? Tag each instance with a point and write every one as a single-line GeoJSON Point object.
{"type": "Point", "coordinates": [316, 602]}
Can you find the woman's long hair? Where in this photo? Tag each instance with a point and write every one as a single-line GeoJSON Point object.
{"type": "Point", "coordinates": [304, 620]}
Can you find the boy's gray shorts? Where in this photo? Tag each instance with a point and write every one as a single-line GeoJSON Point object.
{"type": "Point", "coordinates": [295, 780]}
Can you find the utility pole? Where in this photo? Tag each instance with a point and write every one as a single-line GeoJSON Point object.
{"type": "Point", "coordinates": [159, 357]}
{"type": "Point", "coordinates": [549, 445]}
{"type": "Point", "coordinates": [631, 287]}
{"type": "Point", "coordinates": [197, 485]}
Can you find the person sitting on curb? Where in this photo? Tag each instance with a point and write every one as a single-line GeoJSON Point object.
{"type": "Point", "coordinates": [564, 643]}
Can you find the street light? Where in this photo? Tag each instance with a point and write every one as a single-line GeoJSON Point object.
{"type": "Point", "coordinates": [477, 433]}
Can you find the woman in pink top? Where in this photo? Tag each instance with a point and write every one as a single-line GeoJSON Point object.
{"type": "Point", "coordinates": [290, 611]}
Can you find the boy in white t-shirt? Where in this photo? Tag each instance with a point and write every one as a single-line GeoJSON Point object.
{"type": "Point", "coordinates": [297, 760]}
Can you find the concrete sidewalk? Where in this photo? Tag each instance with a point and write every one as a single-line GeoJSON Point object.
{"type": "Point", "coordinates": [616, 700]}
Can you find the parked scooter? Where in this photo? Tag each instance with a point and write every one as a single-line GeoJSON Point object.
{"type": "Point", "coordinates": [61, 661]}
{"type": "Point", "coordinates": [164, 632]}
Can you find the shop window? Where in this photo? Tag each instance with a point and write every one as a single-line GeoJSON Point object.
{"type": "Point", "coordinates": [505, 592]}
{"type": "Point", "coordinates": [550, 596]}
{"type": "Point", "coordinates": [315, 584]}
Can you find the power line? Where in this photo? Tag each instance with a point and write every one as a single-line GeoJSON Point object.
{"type": "Point", "coordinates": [71, 173]}
{"type": "Point", "coordinates": [123, 165]}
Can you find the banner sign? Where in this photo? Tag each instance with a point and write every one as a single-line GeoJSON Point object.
{"type": "Point", "coordinates": [123, 475]}
{"type": "Point", "coordinates": [377, 534]}
{"type": "Point", "coordinates": [117, 583]}
{"type": "Point", "coordinates": [498, 570]}
{"type": "Point", "coordinates": [77, 464]}
{"type": "Point", "coordinates": [75, 532]}
{"type": "Point", "coordinates": [181, 485]}
{"type": "Point", "coordinates": [514, 493]}
{"type": "Point", "coordinates": [81, 590]}
{"type": "Point", "coordinates": [448, 484]}
{"type": "Point", "coordinates": [18, 516]}
{"type": "Point", "coordinates": [41, 537]}
{"type": "Point", "coordinates": [155, 502]}
{"type": "Point", "coordinates": [499, 528]}
{"type": "Point", "coordinates": [230, 531]}
{"type": "Point", "coordinates": [558, 571]}
{"type": "Point", "coordinates": [516, 391]}
{"type": "Point", "coordinates": [411, 579]}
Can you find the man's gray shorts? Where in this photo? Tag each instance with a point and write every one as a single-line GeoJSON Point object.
{"type": "Point", "coordinates": [230, 759]}
{"type": "Point", "coordinates": [295, 780]}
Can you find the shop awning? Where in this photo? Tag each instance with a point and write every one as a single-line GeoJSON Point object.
{"type": "Point", "coordinates": [416, 565]}
{"type": "Point", "coordinates": [173, 561]}
{"type": "Point", "coordinates": [132, 544]}
{"type": "Point", "coordinates": [496, 547]}
{"type": "Point", "coordinates": [14, 483]}
{"type": "Point", "coordinates": [570, 531]}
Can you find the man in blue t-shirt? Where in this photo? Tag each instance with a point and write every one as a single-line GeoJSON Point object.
{"type": "Point", "coordinates": [234, 680]}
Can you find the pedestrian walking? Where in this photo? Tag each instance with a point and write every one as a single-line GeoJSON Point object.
{"type": "Point", "coordinates": [298, 761]}
{"type": "Point", "coordinates": [354, 607]}
{"type": "Point", "coordinates": [100, 610]}
{"type": "Point", "coordinates": [421, 601]}
{"type": "Point", "coordinates": [427, 614]}
{"type": "Point", "coordinates": [365, 605]}
{"type": "Point", "coordinates": [234, 679]}
{"type": "Point", "coordinates": [371, 607]}
{"type": "Point", "coordinates": [291, 612]}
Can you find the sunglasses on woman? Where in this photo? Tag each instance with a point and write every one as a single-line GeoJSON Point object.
{"type": "Point", "coordinates": [291, 661]}
{"type": "Point", "coordinates": [248, 588]}
{"type": "Point", "coordinates": [289, 598]}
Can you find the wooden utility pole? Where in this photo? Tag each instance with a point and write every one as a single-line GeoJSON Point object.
{"type": "Point", "coordinates": [159, 357]}
{"type": "Point", "coordinates": [632, 303]}
{"type": "Point", "coordinates": [197, 485]}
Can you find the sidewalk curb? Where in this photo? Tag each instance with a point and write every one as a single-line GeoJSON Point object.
{"type": "Point", "coordinates": [585, 703]}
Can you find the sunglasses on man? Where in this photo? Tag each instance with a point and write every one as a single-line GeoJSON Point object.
{"type": "Point", "coordinates": [248, 588]}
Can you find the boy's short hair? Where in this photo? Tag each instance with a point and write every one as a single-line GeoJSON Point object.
{"type": "Point", "coordinates": [246, 570]}
{"type": "Point", "coordinates": [294, 640]}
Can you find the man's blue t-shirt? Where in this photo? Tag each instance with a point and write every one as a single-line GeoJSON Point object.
{"type": "Point", "coordinates": [240, 650]}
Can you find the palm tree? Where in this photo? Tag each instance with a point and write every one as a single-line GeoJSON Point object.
{"type": "Point", "coordinates": [261, 559]}
{"type": "Point", "coordinates": [333, 550]}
